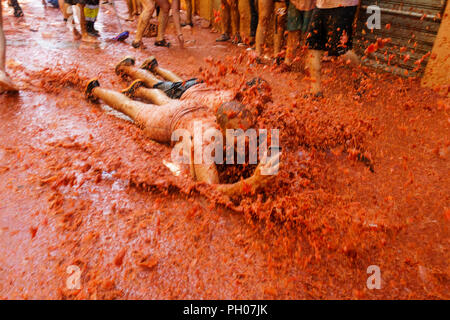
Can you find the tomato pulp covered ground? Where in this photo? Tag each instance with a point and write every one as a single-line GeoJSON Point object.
{"type": "Point", "coordinates": [364, 180]}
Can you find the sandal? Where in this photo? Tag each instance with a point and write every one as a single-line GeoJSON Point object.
{"type": "Point", "coordinates": [181, 40]}
{"type": "Point", "coordinates": [18, 11]}
{"type": "Point", "coordinates": [236, 39]}
{"type": "Point", "coordinates": [224, 37]}
{"type": "Point", "coordinates": [138, 44]}
{"type": "Point", "coordinates": [162, 43]}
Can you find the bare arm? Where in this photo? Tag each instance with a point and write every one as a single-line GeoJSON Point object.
{"type": "Point", "coordinates": [264, 173]}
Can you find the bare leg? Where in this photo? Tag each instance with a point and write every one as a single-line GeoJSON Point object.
{"type": "Point", "coordinates": [235, 21]}
{"type": "Point", "coordinates": [177, 22]}
{"type": "Point", "coordinates": [63, 8]}
{"type": "Point", "coordinates": [154, 96]}
{"type": "Point", "coordinates": [265, 12]}
{"type": "Point", "coordinates": [153, 119]}
{"type": "Point", "coordinates": [188, 11]}
{"type": "Point", "coordinates": [280, 16]}
{"type": "Point", "coordinates": [314, 60]}
{"type": "Point", "coordinates": [131, 10]}
{"type": "Point", "coordinates": [2, 42]}
{"type": "Point", "coordinates": [6, 83]}
{"type": "Point", "coordinates": [144, 18]}
{"type": "Point", "coordinates": [84, 35]}
{"type": "Point", "coordinates": [163, 19]}
{"type": "Point", "coordinates": [152, 65]}
{"type": "Point", "coordinates": [167, 74]}
{"type": "Point", "coordinates": [352, 57]}
{"type": "Point", "coordinates": [293, 41]}
{"type": "Point", "coordinates": [135, 73]}
{"type": "Point", "coordinates": [225, 17]}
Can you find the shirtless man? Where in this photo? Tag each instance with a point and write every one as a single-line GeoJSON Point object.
{"type": "Point", "coordinates": [177, 88]}
{"type": "Point", "coordinates": [161, 119]}
{"type": "Point", "coordinates": [6, 83]}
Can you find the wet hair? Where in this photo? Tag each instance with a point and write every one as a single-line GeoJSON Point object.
{"type": "Point", "coordinates": [260, 88]}
{"type": "Point", "coordinates": [233, 110]}
{"type": "Point", "coordinates": [258, 82]}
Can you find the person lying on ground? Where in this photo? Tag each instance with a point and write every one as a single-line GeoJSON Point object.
{"type": "Point", "coordinates": [177, 88]}
{"type": "Point", "coordinates": [161, 120]}
{"type": "Point", "coordinates": [6, 83]}
{"type": "Point", "coordinates": [331, 31]}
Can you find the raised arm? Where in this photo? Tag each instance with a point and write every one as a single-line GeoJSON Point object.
{"type": "Point", "coordinates": [264, 173]}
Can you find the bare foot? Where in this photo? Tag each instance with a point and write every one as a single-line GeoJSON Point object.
{"type": "Point", "coordinates": [6, 83]}
{"type": "Point", "coordinates": [76, 34]}
{"type": "Point", "coordinates": [181, 41]}
{"type": "Point", "coordinates": [89, 39]}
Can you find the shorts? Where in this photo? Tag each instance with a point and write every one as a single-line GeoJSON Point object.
{"type": "Point", "coordinates": [297, 20]}
{"type": "Point", "coordinates": [75, 2]}
{"type": "Point", "coordinates": [175, 90]}
{"type": "Point", "coordinates": [53, 3]}
{"type": "Point", "coordinates": [327, 30]}
{"type": "Point", "coordinates": [88, 2]}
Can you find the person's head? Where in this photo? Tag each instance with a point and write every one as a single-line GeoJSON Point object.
{"type": "Point", "coordinates": [234, 115]}
{"type": "Point", "coordinates": [257, 92]}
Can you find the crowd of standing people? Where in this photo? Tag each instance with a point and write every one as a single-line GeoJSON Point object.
{"type": "Point", "coordinates": [315, 26]}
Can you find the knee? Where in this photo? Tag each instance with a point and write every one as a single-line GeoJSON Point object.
{"type": "Point", "coordinates": [165, 6]}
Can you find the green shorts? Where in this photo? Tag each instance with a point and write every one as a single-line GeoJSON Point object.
{"type": "Point", "coordinates": [297, 20]}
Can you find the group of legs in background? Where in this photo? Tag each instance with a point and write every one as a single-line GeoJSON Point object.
{"type": "Point", "coordinates": [316, 26]}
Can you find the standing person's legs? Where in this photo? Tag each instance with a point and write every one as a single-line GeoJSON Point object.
{"type": "Point", "coordinates": [68, 15]}
{"type": "Point", "coordinates": [265, 8]}
{"type": "Point", "coordinates": [188, 13]}
{"type": "Point", "coordinates": [84, 34]}
{"type": "Point", "coordinates": [280, 22]}
{"type": "Point", "coordinates": [163, 20]}
{"type": "Point", "coordinates": [293, 26]}
{"type": "Point", "coordinates": [314, 64]}
{"type": "Point", "coordinates": [17, 9]}
{"type": "Point", "coordinates": [2, 42]}
{"type": "Point", "coordinates": [253, 20]}
{"type": "Point", "coordinates": [177, 22]}
{"type": "Point", "coordinates": [6, 83]}
{"type": "Point", "coordinates": [130, 10]}
{"type": "Point", "coordinates": [235, 21]}
{"type": "Point", "coordinates": [144, 18]}
{"type": "Point", "coordinates": [317, 44]}
{"type": "Point", "coordinates": [91, 12]}
{"type": "Point", "coordinates": [225, 17]}
{"type": "Point", "coordinates": [63, 8]}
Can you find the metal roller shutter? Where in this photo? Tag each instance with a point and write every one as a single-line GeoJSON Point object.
{"type": "Point", "coordinates": [413, 27]}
